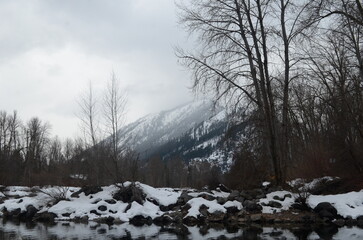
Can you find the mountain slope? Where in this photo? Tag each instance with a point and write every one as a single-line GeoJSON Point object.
{"type": "Point", "coordinates": [193, 132]}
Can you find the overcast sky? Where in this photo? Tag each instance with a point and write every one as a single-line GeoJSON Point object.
{"type": "Point", "coordinates": [51, 49]}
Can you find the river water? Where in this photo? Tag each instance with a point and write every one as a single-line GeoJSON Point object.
{"type": "Point", "coordinates": [75, 231]}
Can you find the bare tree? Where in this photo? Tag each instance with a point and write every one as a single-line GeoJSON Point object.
{"type": "Point", "coordinates": [114, 112]}
{"type": "Point", "coordinates": [88, 115]}
{"type": "Point", "coordinates": [238, 60]}
{"type": "Point", "coordinates": [89, 119]}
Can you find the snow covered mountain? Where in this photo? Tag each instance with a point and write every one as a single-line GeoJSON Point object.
{"type": "Point", "coordinates": [193, 132]}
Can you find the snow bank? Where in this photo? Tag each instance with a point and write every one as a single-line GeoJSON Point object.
{"type": "Point", "coordinates": [347, 204]}
{"type": "Point", "coordinates": [164, 196]}
{"type": "Point", "coordinates": [195, 204]}
{"type": "Point", "coordinates": [286, 203]}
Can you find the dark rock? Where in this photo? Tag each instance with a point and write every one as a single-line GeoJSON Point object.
{"type": "Point", "coordinates": [184, 198]}
{"type": "Point", "coordinates": [232, 209]}
{"type": "Point", "coordinates": [274, 204]}
{"type": "Point", "coordinates": [256, 218]}
{"type": "Point", "coordinates": [300, 207]}
{"type": "Point", "coordinates": [252, 206]}
{"type": "Point", "coordinates": [110, 201]}
{"type": "Point", "coordinates": [326, 214]}
{"type": "Point", "coordinates": [326, 186]}
{"type": "Point", "coordinates": [256, 193]}
{"type": "Point", "coordinates": [113, 212]}
{"type": "Point", "coordinates": [245, 195]}
{"type": "Point", "coordinates": [221, 200]}
{"type": "Point", "coordinates": [326, 210]}
{"type": "Point", "coordinates": [153, 201]}
{"type": "Point", "coordinates": [20, 201]}
{"type": "Point", "coordinates": [288, 195]}
{"type": "Point", "coordinates": [240, 199]}
{"type": "Point", "coordinates": [30, 212]}
{"type": "Point", "coordinates": [217, 216]}
{"type": "Point", "coordinates": [107, 220]}
{"type": "Point", "coordinates": [66, 214]}
{"type": "Point", "coordinates": [96, 201]}
{"type": "Point", "coordinates": [128, 207]}
{"type": "Point", "coordinates": [167, 208]}
{"type": "Point", "coordinates": [360, 221]}
{"type": "Point", "coordinates": [163, 220]}
{"type": "Point", "coordinates": [190, 221]}
{"type": "Point", "coordinates": [95, 212]}
{"type": "Point", "coordinates": [339, 222]}
{"type": "Point", "coordinates": [140, 220]}
{"type": "Point", "coordinates": [207, 196]}
{"type": "Point", "coordinates": [349, 221]}
{"type": "Point", "coordinates": [13, 214]}
{"type": "Point", "coordinates": [130, 194]}
{"type": "Point", "coordinates": [101, 231]}
{"type": "Point", "coordinates": [203, 209]}
{"type": "Point", "coordinates": [278, 198]}
{"type": "Point", "coordinates": [233, 195]}
{"type": "Point", "coordinates": [47, 217]}
{"type": "Point", "coordinates": [102, 208]}
{"type": "Point", "coordinates": [223, 188]}
{"type": "Point", "coordinates": [87, 190]}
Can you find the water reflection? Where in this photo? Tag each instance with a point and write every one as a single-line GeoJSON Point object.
{"type": "Point", "coordinates": [77, 231]}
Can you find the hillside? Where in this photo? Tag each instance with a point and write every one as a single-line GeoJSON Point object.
{"type": "Point", "coordinates": [193, 132]}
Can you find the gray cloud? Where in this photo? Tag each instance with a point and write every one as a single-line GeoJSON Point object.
{"type": "Point", "coordinates": [51, 49]}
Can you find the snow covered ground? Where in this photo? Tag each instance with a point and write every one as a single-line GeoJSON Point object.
{"type": "Point", "coordinates": [102, 204]}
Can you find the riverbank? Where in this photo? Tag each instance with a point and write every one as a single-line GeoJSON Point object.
{"type": "Point", "coordinates": [140, 204]}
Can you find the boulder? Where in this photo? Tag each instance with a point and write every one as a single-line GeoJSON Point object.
{"type": "Point", "coordinates": [102, 208]}
{"type": "Point", "coordinates": [360, 221]}
{"type": "Point", "coordinates": [47, 217]}
{"type": "Point", "coordinates": [256, 218]}
{"type": "Point", "coordinates": [278, 198]}
{"type": "Point", "coordinates": [207, 196]}
{"type": "Point", "coordinates": [326, 210]}
{"type": "Point", "coordinates": [325, 206]}
{"type": "Point", "coordinates": [184, 198]}
{"type": "Point", "coordinates": [110, 201]}
{"type": "Point", "coordinates": [223, 188]}
{"type": "Point", "coordinates": [95, 212]}
{"type": "Point", "coordinates": [107, 220]}
{"type": "Point", "coordinates": [130, 194]}
{"type": "Point", "coordinates": [87, 190]}
{"type": "Point", "coordinates": [252, 206]}
{"type": "Point", "coordinates": [30, 212]}
{"type": "Point", "coordinates": [163, 220]}
{"type": "Point", "coordinates": [167, 208]}
{"type": "Point", "coordinates": [232, 210]}
{"type": "Point", "coordinates": [274, 204]}
{"type": "Point", "coordinates": [246, 195]}
{"type": "Point", "coordinates": [233, 195]}
{"type": "Point", "coordinates": [190, 221]}
{"type": "Point", "coordinates": [13, 214]}
{"type": "Point", "coordinates": [221, 200]}
{"type": "Point", "coordinates": [140, 220]}
{"type": "Point", "coordinates": [339, 222]}
{"type": "Point", "coordinates": [217, 216]}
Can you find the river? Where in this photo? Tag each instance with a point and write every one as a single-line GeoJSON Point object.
{"type": "Point", "coordinates": [75, 231]}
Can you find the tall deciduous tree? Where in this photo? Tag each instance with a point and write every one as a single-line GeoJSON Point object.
{"type": "Point", "coordinates": [114, 112]}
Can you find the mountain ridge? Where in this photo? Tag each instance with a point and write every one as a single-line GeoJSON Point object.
{"type": "Point", "coordinates": [193, 132]}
